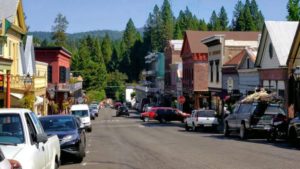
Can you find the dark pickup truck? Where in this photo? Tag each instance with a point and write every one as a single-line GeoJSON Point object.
{"type": "Point", "coordinates": [251, 118]}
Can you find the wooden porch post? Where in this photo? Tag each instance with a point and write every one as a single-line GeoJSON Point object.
{"type": "Point", "coordinates": [8, 89]}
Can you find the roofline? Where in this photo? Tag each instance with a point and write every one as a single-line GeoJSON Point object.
{"type": "Point", "coordinates": [293, 46]}
{"type": "Point", "coordinates": [54, 48]}
{"type": "Point", "coordinates": [212, 38]}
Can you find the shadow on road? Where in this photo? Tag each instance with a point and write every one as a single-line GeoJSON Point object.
{"type": "Point", "coordinates": [257, 140]}
{"type": "Point", "coordinates": [157, 124]}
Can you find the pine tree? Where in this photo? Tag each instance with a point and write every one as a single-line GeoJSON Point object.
{"type": "Point", "coordinates": [130, 34]}
{"type": "Point", "coordinates": [256, 15]}
{"type": "Point", "coordinates": [202, 25]}
{"type": "Point", "coordinates": [214, 23]}
{"type": "Point", "coordinates": [59, 30]}
{"type": "Point", "coordinates": [223, 19]}
{"type": "Point", "coordinates": [106, 49]}
{"type": "Point", "coordinates": [237, 25]}
{"type": "Point", "coordinates": [167, 23]}
{"type": "Point", "coordinates": [293, 8]}
{"type": "Point", "coordinates": [249, 23]}
{"type": "Point", "coordinates": [178, 32]}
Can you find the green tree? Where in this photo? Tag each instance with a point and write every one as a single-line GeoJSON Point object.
{"type": "Point", "coordinates": [130, 34]}
{"type": "Point", "coordinates": [202, 25]}
{"type": "Point", "coordinates": [249, 22]}
{"type": "Point", "coordinates": [237, 14]}
{"type": "Point", "coordinates": [106, 49]}
{"type": "Point", "coordinates": [293, 8]}
{"type": "Point", "coordinates": [178, 32]}
{"type": "Point", "coordinates": [116, 85]}
{"type": "Point", "coordinates": [223, 19]}
{"type": "Point", "coordinates": [214, 23]}
{"type": "Point", "coordinates": [167, 23]}
{"type": "Point", "coordinates": [59, 35]}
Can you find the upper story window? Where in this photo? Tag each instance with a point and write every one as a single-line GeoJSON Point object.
{"type": "Point", "coordinates": [217, 70]}
{"type": "Point", "coordinates": [62, 74]}
{"type": "Point", "coordinates": [1, 50]}
{"type": "Point", "coordinates": [49, 74]}
{"type": "Point", "coordinates": [211, 63]}
{"type": "Point", "coordinates": [248, 63]}
{"type": "Point", "coordinates": [9, 49]}
{"type": "Point", "coordinates": [271, 50]}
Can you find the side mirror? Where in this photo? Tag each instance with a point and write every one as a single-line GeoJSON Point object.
{"type": "Point", "coordinates": [41, 138]}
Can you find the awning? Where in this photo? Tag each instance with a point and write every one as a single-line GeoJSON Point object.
{"type": "Point", "coordinates": [38, 100]}
{"type": "Point", "coordinates": [17, 95]}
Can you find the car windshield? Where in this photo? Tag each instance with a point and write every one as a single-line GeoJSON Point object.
{"type": "Point", "coordinates": [80, 113]}
{"type": "Point", "coordinates": [207, 113]}
{"type": "Point", "coordinates": [11, 130]}
{"type": "Point", "coordinates": [93, 106]}
{"type": "Point", "coordinates": [51, 124]}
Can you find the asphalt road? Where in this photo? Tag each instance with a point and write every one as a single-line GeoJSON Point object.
{"type": "Point", "coordinates": [128, 143]}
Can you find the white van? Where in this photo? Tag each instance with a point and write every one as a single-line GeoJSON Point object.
{"type": "Point", "coordinates": [82, 111]}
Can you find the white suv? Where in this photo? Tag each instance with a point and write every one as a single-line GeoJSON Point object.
{"type": "Point", "coordinates": [201, 118]}
{"type": "Point", "coordinates": [83, 112]}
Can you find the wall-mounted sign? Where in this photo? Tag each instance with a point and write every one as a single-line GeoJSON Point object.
{"type": "Point", "coordinates": [1, 83]}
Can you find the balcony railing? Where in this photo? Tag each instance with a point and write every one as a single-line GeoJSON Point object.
{"type": "Point", "coordinates": [27, 83]}
{"type": "Point", "coordinates": [66, 87]}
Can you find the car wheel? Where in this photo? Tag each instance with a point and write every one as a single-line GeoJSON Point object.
{"type": "Point", "coordinates": [89, 129]}
{"type": "Point", "coordinates": [243, 132]}
{"type": "Point", "coordinates": [146, 119]}
{"type": "Point", "coordinates": [226, 130]}
{"type": "Point", "coordinates": [292, 138]}
{"type": "Point", "coordinates": [187, 128]}
{"type": "Point", "coordinates": [55, 165]}
{"type": "Point", "coordinates": [194, 128]}
{"type": "Point", "coordinates": [162, 120]}
{"type": "Point", "coordinates": [78, 159]}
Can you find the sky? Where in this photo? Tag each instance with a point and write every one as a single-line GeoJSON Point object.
{"type": "Point", "coordinates": [88, 15]}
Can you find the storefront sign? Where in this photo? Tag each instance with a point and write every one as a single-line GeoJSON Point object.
{"type": "Point", "coordinates": [1, 83]}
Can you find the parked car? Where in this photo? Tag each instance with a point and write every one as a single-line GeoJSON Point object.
{"type": "Point", "coordinates": [251, 118]}
{"type": "Point", "coordinates": [164, 114]}
{"type": "Point", "coordinates": [5, 163]}
{"type": "Point", "coordinates": [23, 139]}
{"type": "Point", "coordinates": [70, 133]}
{"type": "Point", "coordinates": [202, 119]}
{"type": "Point", "coordinates": [294, 131]}
{"type": "Point", "coordinates": [93, 114]}
{"type": "Point", "coordinates": [122, 110]}
{"type": "Point", "coordinates": [83, 112]}
{"type": "Point", "coordinates": [94, 107]}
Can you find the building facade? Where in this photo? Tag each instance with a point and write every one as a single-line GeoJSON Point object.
{"type": "Point", "coordinates": [222, 48]}
{"type": "Point", "coordinates": [276, 41]}
{"type": "Point", "coordinates": [172, 66]}
{"type": "Point", "coordinates": [61, 89]}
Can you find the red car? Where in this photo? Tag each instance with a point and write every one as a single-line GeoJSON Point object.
{"type": "Point", "coordinates": [164, 114]}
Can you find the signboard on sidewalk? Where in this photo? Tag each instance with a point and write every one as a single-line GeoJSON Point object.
{"type": "Point", "coordinates": [1, 83]}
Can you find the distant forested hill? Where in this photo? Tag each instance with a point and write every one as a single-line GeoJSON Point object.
{"type": "Point", "coordinates": [114, 35]}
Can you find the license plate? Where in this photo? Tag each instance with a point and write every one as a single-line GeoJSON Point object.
{"type": "Point", "coordinates": [207, 125]}
{"type": "Point", "coordinates": [267, 127]}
